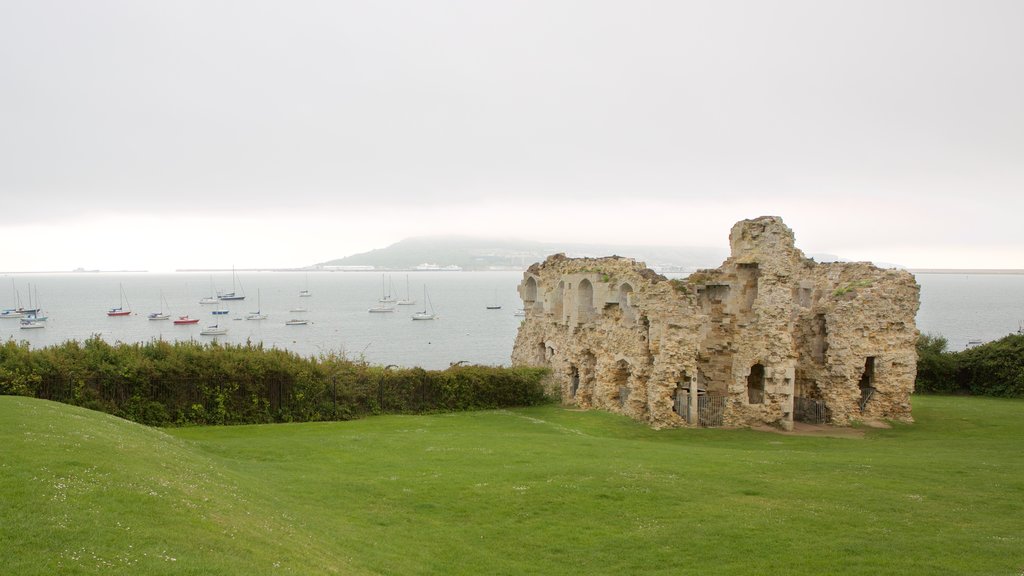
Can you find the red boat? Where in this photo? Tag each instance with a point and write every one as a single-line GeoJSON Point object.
{"type": "Point", "coordinates": [124, 309]}
{"type": "Point", "coordinates": [186, 320]}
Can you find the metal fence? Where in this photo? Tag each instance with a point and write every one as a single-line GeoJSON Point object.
{"type": "Point", "coordinates": [710, 409]}
{"type": "Point", "coordinates": [810, 410]}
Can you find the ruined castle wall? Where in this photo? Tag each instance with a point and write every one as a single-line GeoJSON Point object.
{"type": "Point", "coordinates": [767, 326]}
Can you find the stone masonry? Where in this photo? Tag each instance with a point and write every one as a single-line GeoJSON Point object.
{"type": "Point", "coordinates": [769, 337]}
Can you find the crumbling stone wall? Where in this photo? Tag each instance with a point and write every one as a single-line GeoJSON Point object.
{"type": "Point", "coordinates": [764, 330]}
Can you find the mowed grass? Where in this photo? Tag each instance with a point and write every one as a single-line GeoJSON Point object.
{"type": "Point", "coordinates": [542, 490]}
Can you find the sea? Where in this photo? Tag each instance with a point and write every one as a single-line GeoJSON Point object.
{"type": "Point", "coordinates": [964, 308]}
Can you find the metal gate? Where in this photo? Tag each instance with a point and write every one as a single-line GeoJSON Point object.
{"type": "Point", "coordinates": [710, 409]}
{"type": "Point", "coordinates": [810, 410]}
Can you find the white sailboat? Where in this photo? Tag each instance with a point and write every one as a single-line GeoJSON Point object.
{"type": "Point", "coordinates": [407, 301]}
{"type": "Point", "coordinates": [305, 293]}
{"type": "Point", "coordinates": [258, 314]}
{"type": "Point", "coordinates": [212, 298]}
{"type": "Point", "coordinates": [213, 330]}
{"type": "Point", "coordinates": [385, 294]}
{"type": "Point", "coordinates": [161, 315]}
{"type": "Point", "coordinates": [424, 315]}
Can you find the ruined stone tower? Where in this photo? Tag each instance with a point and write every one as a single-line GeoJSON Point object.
{"type": "Point", "coordinates": [768, 337]}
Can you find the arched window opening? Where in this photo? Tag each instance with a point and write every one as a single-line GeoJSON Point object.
{"type": "Point", "coordinates": [755, 384]}
{"type": "Point", "coordinates": [530, 290]}
{"type": "Point", "coordinates": [585, 300]}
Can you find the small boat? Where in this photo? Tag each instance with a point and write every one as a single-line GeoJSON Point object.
{"type": "Point", "coordinates": [258, 314]}
{"type": "Point", "coordinates": [27, 324]}
{"type": "Point", "coordinates": [298, 309]}
{"type": "Point", "coordinates": [381, 309]}
{"type": "Point", "coordinates": [305, 293]}
{"type": "Point", "coordinates": [161, 315]}
{"type": "Point", "coordinates": [186, 320]}
{"type": "Point", "coordinates": [424, 315]}
{"type": "Point", "coordinates": [220, 311]}
{"type": "Point", "coordinates": [407, 301]}
{"type": "Point", "coordinates": [213, 330]}
{"type": "Point", "coordinates": [296, 322]}
{"type": "Point", "coordinates": [12, 313]}
{"type": "Point", "coordinates": [385, 294]}
{"type": "Point", "coordinates": [212, 299]}
{"type": "Point", "coordinates": [233, 295]}
{"type": "Point", "coordinates": [121, 310]}
{"type": "Point", "coordinates": [495, 305]}
{"type": "Point", "coordinates": [520, 312]}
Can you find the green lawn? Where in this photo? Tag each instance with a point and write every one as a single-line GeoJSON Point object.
{"type": "Point", "coordinates": [529, 491]}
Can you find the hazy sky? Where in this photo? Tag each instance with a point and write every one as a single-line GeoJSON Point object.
{"type": "Point", "coordinates": [161, 135]}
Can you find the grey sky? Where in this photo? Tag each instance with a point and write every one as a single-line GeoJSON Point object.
{"type": "Point", "coordinates": [292, 132]}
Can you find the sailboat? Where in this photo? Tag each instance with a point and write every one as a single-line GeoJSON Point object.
{"type": "Point", "coordinates": [233, 295]}
{"type": "Point", "coordinates": [186, 320]}
{"type": "Point", "coordinates": [385, 295]}
{"type": "Point", "coordinates": [305, 293]}
{"type": "Point", "coordinates": [212, 298]}
{"type": "Point", "coordinates": [121, 310]}
{"type": "Point", "coordinates": [19, 311]}
{"type": "Point", "coordinates": [28, 324]}
{"type": "Point", "coordinates": [494, 306]}
{"type": "Point", "coordinates": [258, 314]}
{"type": "Point", "coordinates": [407, 301]}
{"type": "Point", "coordinates": [161, 315]}
{"type": "Point", "coordinates": [35, 314]}
{"type": "Point", "coordinates": [213, 330]}
{"type": "Point", "coordinates": [424, 315]}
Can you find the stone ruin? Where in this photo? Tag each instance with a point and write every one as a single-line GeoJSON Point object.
{"type": "Point", "coordinates": [769, 337]}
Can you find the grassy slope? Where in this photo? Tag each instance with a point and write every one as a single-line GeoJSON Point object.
{"type": "Point", "coordinates": [541, 490]}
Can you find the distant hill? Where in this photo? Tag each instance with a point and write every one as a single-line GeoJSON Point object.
{"type": "Point", "coordinates": [470, 253]}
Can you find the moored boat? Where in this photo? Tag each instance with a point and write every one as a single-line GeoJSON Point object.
{"type": "Point", "coordinates": [121, 310]}
{"type": "Point", "coordinates": [233, 295]}
{"type": "Point", "coordinates": [186, 320]}
{"type": "Point", "coordinates": [213, 330]}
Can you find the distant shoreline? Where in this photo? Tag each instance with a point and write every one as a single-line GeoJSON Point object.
{"type": "Point", "coordinates": [1017, 271]}
{"type": "Point", "coordinates": [966, 271]}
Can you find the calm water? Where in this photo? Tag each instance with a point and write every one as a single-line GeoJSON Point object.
{"type": "Point", "coordinates": [960, 307]}
{"type": "Point", "coordinates": [965, 307]}
{"type": "Point", "coordinates": [337, 310]}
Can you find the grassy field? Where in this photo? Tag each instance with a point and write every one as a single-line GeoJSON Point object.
{"type": "Point", "coordinates": [529, 491]}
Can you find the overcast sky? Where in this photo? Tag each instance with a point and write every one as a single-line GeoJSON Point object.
{"type": "Point", "coordinates": [160, 135]}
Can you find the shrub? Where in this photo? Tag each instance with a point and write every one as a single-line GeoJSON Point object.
{"type": "Point", "coordinates": [160, 383]}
